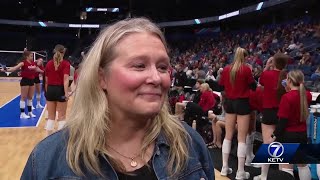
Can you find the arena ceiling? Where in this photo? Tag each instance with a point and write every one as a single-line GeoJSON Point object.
{"type": "Point", "coordinates": [158, 10]}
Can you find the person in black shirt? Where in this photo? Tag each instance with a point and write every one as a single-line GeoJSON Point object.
{"type": "Point", "coordinates": [180, 77]}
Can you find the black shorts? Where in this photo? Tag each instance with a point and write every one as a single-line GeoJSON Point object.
{"type": "Point", "coordinates": [55, 93]}
{"type": "Point", "coordinates": [293, 137]}
{"type": "Point", "coordinates": [36, 80]}
{"type": "Point", "coordinates": [26, 82]}
{"type": "Point", "coordinates": [269, 116]}
{"type": "Point", "coordinates": [238, 106]}
{"type": "Point", "coordinates": [70, 82]}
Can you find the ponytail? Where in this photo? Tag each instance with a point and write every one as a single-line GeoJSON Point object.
{"type": "Point", "coordinates": [239, 59]}
{"type": "Point", "coordinates": [280, 89]}
{"type": "Point", "coordinates": [304, 113]}
{"type": "Point", "coordinates": [57, 58]}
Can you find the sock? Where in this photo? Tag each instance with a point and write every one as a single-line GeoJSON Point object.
{"type": "Point", "coordinates": [226, 148]}
{"type": "Point", "coordinates": [290, 171]}
{"type": "Point", "coordinates": [241, 153]}
{"type": "Point", "coordinates": [22, 106]}
{"type": "Point", "coordinates": [38, 98]}
{"type": "Point", "coordinates": [61, 124]}
{"type": "Point", "coordinates": [304, 173]}
{"type": "Point", "coordinates": [29, 105]}
{"type": "Point", "coordinates": [249, 143]}
{"type": "Point", "coordinates": [49, 125]}
{"type": "Point", "coordinates": [264, 171]}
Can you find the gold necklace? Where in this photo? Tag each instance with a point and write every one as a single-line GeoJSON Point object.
{"type": "Point", "coordinates": [133, 163]}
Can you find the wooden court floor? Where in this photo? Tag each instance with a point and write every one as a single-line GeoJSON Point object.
{"type": "Point", "coordinates": [16, 144]}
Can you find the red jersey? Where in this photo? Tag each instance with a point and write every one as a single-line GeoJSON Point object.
{"type": "Point", "coordinates": [26, 72]}
{"type": "Point", "coordinates": [56, 77]}
{"type": "Point", "coordinates": [289, 108]}
{"type": "Point", "coordinates": [37, 73]}
{"type": "Point", "coordinates": [255, 99]}
{"type": "Point", "coordinates": [240, 88]}
{"type": "Point", "coordinates": [269, 80]}
{"type": "Point", "coordinates": [207, 100]}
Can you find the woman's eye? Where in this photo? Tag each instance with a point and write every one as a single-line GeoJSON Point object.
{"type": "Point", "coordinates": [139, 66]}
{"type": "Point", "coordinates": [163, 68]}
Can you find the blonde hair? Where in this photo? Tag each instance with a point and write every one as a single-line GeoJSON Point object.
{"type": "Point", "coordinates": [297, 79]}
{"type": "Point", "coordinates": [239, 59]}
{"type": "Point", "coordinates": [58, 51]}
{"type": "Point", "coordinates": [89, 121]}
{"type": "Point", "coordinates": [206, 87]}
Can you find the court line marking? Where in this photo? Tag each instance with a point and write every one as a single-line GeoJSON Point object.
{"type": "Point", "coordinates": [44, 109]}
{"type": "Point", "coordinates": [9, 101]}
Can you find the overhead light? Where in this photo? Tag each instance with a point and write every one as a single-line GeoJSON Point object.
{"type": "Point", "coordinates": [20, 2]}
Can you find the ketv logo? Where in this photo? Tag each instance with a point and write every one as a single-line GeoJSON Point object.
{"type": "Point", "coordinates": [275, 153]}
{"type": "Point", "coordinates": [275, 150]}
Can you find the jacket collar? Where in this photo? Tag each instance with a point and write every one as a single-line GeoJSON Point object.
{"type": "Point", "coordinates": [161, 139]}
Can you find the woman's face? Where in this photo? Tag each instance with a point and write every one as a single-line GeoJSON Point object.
{"type": "Point", "coordinates": [30, 57]}
{"type": "Point", "coordinates": [289, 83]}
{"type": "Point", "coordinates": [137, 80]}
{"type": "Point", "coordinates": [39, 62]}
{"type": "Point", "coordinates": [197, 86]}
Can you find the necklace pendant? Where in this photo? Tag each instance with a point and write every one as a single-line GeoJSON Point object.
{"type": "Point", "coordinates": [133, 163]}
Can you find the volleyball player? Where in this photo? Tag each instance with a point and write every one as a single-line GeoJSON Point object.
{"type": "Point", "coordinates": [39, 64]}
{"type": "Point", "coordinates": [57, 85]}
{"type": "Point", "coordinates": [255, 101]}
{"type": "Point", "coordinates": [293, 113]}
{"type": "Point", "coordinates": [28, 71]}
{"type": "Point", "coordinates": [237, 79]}
{"type": "Point", "coordinates": [273, 90]}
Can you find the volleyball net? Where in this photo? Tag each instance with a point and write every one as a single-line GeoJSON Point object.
{"type": "Point", "coordinates": [12, 58]}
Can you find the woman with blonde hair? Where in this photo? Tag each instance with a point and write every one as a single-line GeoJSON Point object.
{"type": "Point", "coordinates": [293, 113]}
{"type": "Point", "coordinates": [57, 85]}
{"type": "Point", "coordinates": [237, 81]}
{"type": "Point", "coordinates": [207, 98]}
{"type": "Point", "coordinates": [119, 126]}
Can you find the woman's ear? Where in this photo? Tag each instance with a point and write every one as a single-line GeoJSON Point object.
{"type": "Point", "coordinates": [102, 79]}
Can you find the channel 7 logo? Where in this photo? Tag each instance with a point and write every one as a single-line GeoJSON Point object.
{"type": "Point", "coordinates": [275, 150]}
{"type": "Point", "coordinates": [275, 153]}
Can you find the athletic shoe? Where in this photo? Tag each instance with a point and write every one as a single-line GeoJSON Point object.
{"type": "Point", "coordinates": [225, 171]}
{"type": "Point", "coordinates": [24, 116]}
{"type": "Point", "coordinates": [32, 115]}
{"type": "Point", "coordinates": [39, 106]}
{"type": "Point", "coordinates": [242, 175]}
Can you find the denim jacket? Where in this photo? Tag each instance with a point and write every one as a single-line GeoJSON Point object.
{"type": "Point", "coordinates": [48, 160]}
